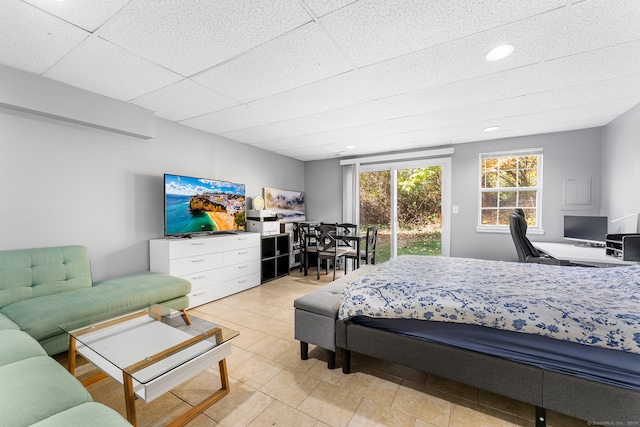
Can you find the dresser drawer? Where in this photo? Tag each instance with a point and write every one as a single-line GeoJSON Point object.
{"type": "Point", "coordinates": [241, 283]}
{"type": "Point", "coordinates": [241, 269]}
{"type": "Point", "coordinates": [242, 240]}
{"type": "Point", "coordinates": [203, 279]}
{"type": "Point", "coordinates": [192, 247]}
{"type": "Point", "coordinates": [241, 255]}
{"type": "Point", "coordinates": [208, 294]}
{"type": "Point", "coordinates": [182, 266]}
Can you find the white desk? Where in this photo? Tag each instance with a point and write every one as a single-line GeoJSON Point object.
{"type": "Point", "coordinates": [580, 254]}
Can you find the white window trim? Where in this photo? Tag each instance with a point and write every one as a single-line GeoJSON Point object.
{"type": "Point", "coordinates": [501, 229]}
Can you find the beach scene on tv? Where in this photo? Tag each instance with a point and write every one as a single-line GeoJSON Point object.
{"type": "Point", "coordinates": [194, 205]}
{"type": "Point", "coordinates": [288, 205]}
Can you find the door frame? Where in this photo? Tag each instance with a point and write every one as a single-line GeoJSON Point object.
{"type": "Point", "coordinates": [445, 165]}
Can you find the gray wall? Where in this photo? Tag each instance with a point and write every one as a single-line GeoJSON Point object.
{"type": "Point", "coordinates": [63, 183]}
{"type": "Point", "coordinates": [621, 170]}
{"type": "Point", "coordinates": [573, 154]}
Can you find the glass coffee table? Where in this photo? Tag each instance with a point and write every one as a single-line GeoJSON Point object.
{"type": "Point", "coordinates": [150, 352]}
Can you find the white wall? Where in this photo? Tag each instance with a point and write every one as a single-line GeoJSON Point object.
{"type": "Point", "coordinates": [621, 170]}
{"type": "Point", "coordinates": [62, 183]}
{"type": "Point", "coordinates": [323, 190]}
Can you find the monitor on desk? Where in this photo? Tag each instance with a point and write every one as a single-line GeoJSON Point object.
{"type": "Point", "coordinates": [589, 230]}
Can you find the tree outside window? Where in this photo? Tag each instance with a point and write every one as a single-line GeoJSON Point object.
{"type": "Point", "coordinates": [509, 181]}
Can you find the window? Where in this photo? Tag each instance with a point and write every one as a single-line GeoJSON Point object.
{"type": "Point", "coordinates": [508, 181]}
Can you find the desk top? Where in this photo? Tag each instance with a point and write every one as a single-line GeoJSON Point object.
{"type": "Point", "coordinates": [576, 253]}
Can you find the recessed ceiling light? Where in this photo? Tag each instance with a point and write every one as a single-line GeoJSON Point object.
{"type": "Point", "coordinates": [500, 52]}
{"type": "Point", "coordinates": [492, 128]}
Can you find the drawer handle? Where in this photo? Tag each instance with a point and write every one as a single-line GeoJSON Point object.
{"type": "Point", "coordinates": [198, 277]}
{"type": "Point", "coordinates": [199, 293]}
{"type": "Point", "coordinates": [242, 281]}
{"type": "Point", "coordinates": [242, 238]}
{"type": "Point", "coordinates": [198, 243]}
{"type": "Point", "coordinates": [242, 253]}
{"type": "Point", "coordinates": [199, 260]}
{"type": "Point", "coordinates": [243, 266]}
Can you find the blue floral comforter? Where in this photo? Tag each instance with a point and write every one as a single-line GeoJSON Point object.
{"type": "Point", "coordinates": [592, 306]}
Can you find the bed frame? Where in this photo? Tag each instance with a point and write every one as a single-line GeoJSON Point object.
{"type": "Point", "coordinates": [588, 400]}
{"type": "Point", "coordinates": [316, 322]}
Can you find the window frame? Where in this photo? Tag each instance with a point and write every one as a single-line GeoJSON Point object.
{"type": "Point", "coordinates": [484, 228]}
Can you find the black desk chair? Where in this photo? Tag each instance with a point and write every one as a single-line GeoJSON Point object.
{"type": "Point", "coordinates": [368, 254]}
{"type": "Point", "coordinates": [307, 246]}
{"type": "Point", "coordinates": [526, 251]}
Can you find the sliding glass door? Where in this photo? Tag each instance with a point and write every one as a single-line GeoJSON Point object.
{"type": "Point", "coordinates": [407, 201]}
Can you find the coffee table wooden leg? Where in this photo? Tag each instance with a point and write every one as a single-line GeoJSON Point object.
{"type": "Point", "coordinates": [185, 316]}
{"type": "Point", "coordinates": [71, 356]}
{"type": "Point", "coordinates": [129, 398]}
{"type": "Point", "coordinates": [208, 401]}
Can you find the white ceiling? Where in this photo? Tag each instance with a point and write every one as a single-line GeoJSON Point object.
{"type": "Point", "coordinates": [307, 78]}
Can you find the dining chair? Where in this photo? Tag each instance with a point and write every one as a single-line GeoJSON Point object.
{"type": "Point", "coordinates": [327, 248]}
{"type": "Point", "coordinates": [307, 246]}
{"type": "Point", "coordinates": [368, 253]}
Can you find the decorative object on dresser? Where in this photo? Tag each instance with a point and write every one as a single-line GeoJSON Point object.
{"type": "Point", "coordinates": [216, 266]}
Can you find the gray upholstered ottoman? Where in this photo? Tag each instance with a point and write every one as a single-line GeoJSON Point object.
{"type": "Point", "coordinates": [316, 314]}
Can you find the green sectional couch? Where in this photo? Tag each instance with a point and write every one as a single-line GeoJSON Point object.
{"type": "Point", "coordinates": [37, 391]}
{"type": "Point", "coordinates": [41, 289]}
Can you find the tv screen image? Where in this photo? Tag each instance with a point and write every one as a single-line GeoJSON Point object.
{"type": "Point", "coordinates": [288, 205]}
{"type": "Point", "coordinates": [199, 205]}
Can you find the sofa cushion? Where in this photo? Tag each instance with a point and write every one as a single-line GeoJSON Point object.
{"type": "Point", "coordinates": [41, 317]}
{"type": "Point", "coordinates": [35, 389]}
{"type": "Point", "coordinates": [18, 345]}
{"type": "Point", "coordinates": [31, 273]}
{"type": "Point", "coordinates": [87, 414]}
{"type": "Point", "coordinates": [6, 323]}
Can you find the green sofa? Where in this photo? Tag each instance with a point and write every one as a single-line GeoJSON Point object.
{"type": "Point", "coordinates": [37, 391]}
{"type": "Point", "coordinates": [41, 289]}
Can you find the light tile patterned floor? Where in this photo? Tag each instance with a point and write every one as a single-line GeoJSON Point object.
{"type": "Point", "coordinates": [271, 386]}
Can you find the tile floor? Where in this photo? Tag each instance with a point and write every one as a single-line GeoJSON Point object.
{"type": "Point", "coordinates": [271, 386]}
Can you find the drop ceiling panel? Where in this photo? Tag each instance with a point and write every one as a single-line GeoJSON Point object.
{"type": "Point", "coordinates": [353, 115]}
{"type": "Point", "coordinates": [33, 40]}
{"type": "Point", "coordinates": [464, 58]}
{"type": "Point", "coordinates": [374, 31]}
{"type": "Point", "coordinates": [189, 36]}
{"type": "Point", "coordinates": [300, 57]}
{"type": "Point", "coordinates": [323, 7]}
{"type": "Point", "coordinates": [329, 94]}
{"type": "Point", "coordinates": [230, 119]}
{"type": "Point", "coordinates": [101, 67]}
{"type": "Point", "coordinates": [184, 100]}
{"type": "Point", "coordinates": [87, 14]}
{"type": "Point", "coordinates": [604, 28]}
{"type": "Point", "coordinates": [270, 132]}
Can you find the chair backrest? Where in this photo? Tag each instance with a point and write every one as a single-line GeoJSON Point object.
{"type": "Point", "coordinates": [325, 237]}
{"type": "Point", "coordinates": [518, 228]}
{"type": "Point", "coordinates": [370, 246]}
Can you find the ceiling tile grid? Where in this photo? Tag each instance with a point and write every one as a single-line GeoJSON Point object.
{"type": "Point", "coordinates": [33, 40]}
{"type": "Point", "coordinates": [307, 78]}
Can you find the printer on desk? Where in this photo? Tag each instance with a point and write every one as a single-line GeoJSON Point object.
{"type": "Point", "coordinates": [264, 222]}
{"type": "Point", "coordinates": [625, 247]}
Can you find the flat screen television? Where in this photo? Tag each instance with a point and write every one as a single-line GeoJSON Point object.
{"type": "Point", "coordinates": [590, 230]}
{"type": "Point", "coordinates": [200, 205]}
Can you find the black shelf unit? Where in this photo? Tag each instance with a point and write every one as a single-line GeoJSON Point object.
{"type": "Point", "coordinates": [274, 257]}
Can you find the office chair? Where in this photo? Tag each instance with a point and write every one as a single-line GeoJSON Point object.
{"type": "Point", "coordinates": [526, 251]}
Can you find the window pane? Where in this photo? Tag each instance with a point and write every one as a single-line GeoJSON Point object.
{"type": "Point", "coordinates": [528, 178]}
{"type": "Point", "coordinates": [508, 163]}
{"type": "Point", "coordinates": [503, 216]}
{"type": "Point", "coordinates": [490, 200]}
{"type": "Point", "coordinates": [508, 178]}
{"type": "Point", "coordinates": [530, 216]}
{"type": "Point", "coordinates": [490, 180]}
{"type": "Point", "coordinates": [528, 162]}
{"type": "Point", "coordinates": [489, 216]}
{"type": "Point", "coordinates": [527, 199]}
{"type": "Point", "coordinates": [490, 164]}
{"type": "Point", "coordinates": [508, 199]}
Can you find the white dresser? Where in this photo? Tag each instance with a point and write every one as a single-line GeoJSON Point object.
{"type": "Point", "coordinates": [216, 266]}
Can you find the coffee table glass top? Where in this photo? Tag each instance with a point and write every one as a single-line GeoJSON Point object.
{"type": "Point", "coordinates": [148, 343]}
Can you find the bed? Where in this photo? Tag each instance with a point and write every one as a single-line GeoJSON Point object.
{"type": "Point", "coordinates": [560, 338]}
